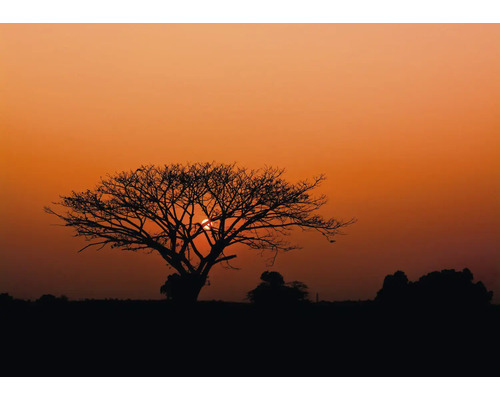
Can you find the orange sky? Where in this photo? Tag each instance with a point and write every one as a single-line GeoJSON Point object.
{"type": "Point", "coordinates": [403, 119]}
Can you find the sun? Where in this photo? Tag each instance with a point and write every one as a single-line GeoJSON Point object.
{"type": "Point", "coordinates": [206, 224]}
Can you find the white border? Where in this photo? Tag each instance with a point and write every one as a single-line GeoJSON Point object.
{"type": "Point", "coordinates": [248, 388]}
{"type": "Point", "coordinates": [237, 11]}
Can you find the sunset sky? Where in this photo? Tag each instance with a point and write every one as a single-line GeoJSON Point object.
{"type": "Point", "coordinates": [404, 120]}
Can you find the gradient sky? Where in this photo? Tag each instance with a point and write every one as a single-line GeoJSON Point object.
{"type": "Point", "coordinates": [403, 119]}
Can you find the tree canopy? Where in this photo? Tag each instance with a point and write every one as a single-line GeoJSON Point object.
{"type": "Point", "coordinates": [273, 291]}
{"type": "Point", "coordinates": [192, 214]}
{"type": "Point", "coordinates": [446, 288]}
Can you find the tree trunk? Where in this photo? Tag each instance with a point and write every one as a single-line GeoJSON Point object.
{"type": "Point", "coordinates": [183, 289]}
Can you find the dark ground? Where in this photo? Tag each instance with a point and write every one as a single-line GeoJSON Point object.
{"type": "Point", "coordinates": [153, 338]}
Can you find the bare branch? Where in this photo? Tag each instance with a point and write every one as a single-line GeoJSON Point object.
{"type": "Point", "coordinates": [160, 208]}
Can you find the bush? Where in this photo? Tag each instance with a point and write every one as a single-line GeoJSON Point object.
{"type": "Point", "coordinates": [274, 291]}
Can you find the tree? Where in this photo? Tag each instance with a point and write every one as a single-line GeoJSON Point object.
{"type": "Point", "coordinates": [447, 288]}
{"type": "Point", "coordinates": [192, 214]}
{"type": "Point", "coordinates": [6, 298]}
{"type": "Point", "coordinates": [50, 299]}
{"type": "Point", "coordinates": [451, 288]}
{"type": "Point", "coordinates": [274, 292]}
{"type": "Point", "coordinates": [395, 289]}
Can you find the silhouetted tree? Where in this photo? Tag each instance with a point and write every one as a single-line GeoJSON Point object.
{"type": "Point", "coordinates": [50, 299]}
{"type": "Point", "coordinates": [446, 288]}
{"type": "Point", "coordinates": [451, 288]}
{"type": "Point", "coordinates": [273, 278]}
{"type": "Point", "coordinates": [6, 298]}
{"type": "Point", "coordinates": [192, 214]}
{"type": "Point", "coordinates": [395, 289]}
{"type": "Point", "coordinates": [273, 291]}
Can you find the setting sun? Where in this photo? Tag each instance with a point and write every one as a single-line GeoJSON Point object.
{"type": "Point", "coordinates": [206, 224]}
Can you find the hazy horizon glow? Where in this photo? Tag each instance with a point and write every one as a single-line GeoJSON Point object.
{"type": "Point", "coordinates": [403, 119]}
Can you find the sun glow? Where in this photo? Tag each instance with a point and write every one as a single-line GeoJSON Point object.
{"type": "Point", "coordinates": [206, 224]}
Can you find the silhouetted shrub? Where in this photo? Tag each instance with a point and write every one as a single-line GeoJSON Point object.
{"type": "Point", "coordinates": [446, 288]}
{"type": "Point", "coordinates": [50, 299]}
{"type": "Point", "coordinates": [5, 299]}
{"type": "Point", "coordinates": [273, 291]}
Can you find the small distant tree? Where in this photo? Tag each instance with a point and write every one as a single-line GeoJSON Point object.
{"type": "Point", "coordinates": [6, 298]}
{"type": "Point", "coordinates": [274, 291]}
{"type": "Point", "coordinates": [50, 299]}
{"type": "Point", "coordinates": [193, 214]}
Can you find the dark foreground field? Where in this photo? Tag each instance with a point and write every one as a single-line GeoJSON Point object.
{"type": "Point", "coordinates": [153, 338]}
